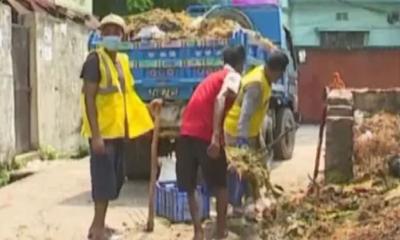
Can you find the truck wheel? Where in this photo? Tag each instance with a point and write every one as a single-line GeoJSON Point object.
{"type": "Point", "coordinates": [284, 120]}
{"type": "Point", "coordinates": [137, 158]}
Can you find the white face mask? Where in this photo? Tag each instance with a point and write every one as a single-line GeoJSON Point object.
{"type": "Point", "coordinates": [111, 42]}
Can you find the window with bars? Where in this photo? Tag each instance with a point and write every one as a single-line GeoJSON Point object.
{"type": "Point", "coordinates": [346, 40]}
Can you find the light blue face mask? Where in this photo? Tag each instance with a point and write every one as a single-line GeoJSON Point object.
{"type": "Point", "coordinates": [111, 42]}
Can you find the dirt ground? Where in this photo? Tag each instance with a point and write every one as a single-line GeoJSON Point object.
{"type": "Point", "coordinates": [55, 203]}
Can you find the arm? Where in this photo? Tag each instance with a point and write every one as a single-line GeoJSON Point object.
{"type": "Point", "coordinates": [90, 92]}
{"type": "Point", "coordinates": [219, 108]}
{"type": "Point", "coordinates": [91, 77]}
{"type": "Point", "coordinates": [251, 99]}
{"type": "Point", "coordinates": [230, 88]}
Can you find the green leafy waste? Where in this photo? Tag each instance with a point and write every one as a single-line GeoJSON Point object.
{"type": "Point", "coordinates": [250, 164]}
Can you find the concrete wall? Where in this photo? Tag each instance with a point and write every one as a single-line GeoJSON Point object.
{"type": "Point", "coordinates": [7, 126]}
{"type": "Point", "coordinates": [308, 17]}
{"type": "Point", "coordinates": [58, 51]}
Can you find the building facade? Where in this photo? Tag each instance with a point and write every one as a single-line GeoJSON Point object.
{"type": "Point", "coordinates": [344, 23]}
{"type": "Point", "coordinates": [356, 38]}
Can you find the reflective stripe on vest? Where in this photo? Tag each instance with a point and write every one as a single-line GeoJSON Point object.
{"type": "Point", "coordinates": [110, 88]}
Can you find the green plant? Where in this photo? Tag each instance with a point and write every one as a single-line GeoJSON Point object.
{"type": "Point", "coordinates": [48, 153]}
{"type": "Point", "coordinates": [124, 7]}
{"type": "Point", "coordinates": [137, 6]}
{"type": "Point", "coordinates": [4, 176]}
{"type": "Point", "coordinates": [82, 152]}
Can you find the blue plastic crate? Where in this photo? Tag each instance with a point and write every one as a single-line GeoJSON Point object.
{"type": "Point", "coordinates": [173, 204]}
{"type": "Point", "coordinates": [236, 189]}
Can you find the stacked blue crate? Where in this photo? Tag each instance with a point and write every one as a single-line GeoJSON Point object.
{"type": "Point", "coordinates": [236, 189]}
{"type": "Point", "coordinates": [173, 204]}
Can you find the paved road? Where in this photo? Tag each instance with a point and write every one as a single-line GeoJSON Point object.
{"type": "Point", "coordinates": [293, 174]}
{"type": "Point", "coordinates": [55, 203]}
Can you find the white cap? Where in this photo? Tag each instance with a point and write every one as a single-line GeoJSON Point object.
{"type": "Point", "coordinates": [113, 19]}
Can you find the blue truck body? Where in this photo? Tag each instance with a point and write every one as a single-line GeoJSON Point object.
{"type": "Point", "coordinates": [172, 70]}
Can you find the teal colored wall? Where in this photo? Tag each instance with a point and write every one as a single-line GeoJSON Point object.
{"type": "Point", "coordinates": [307, 17]}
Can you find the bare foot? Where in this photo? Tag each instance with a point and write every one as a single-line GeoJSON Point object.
{"type": "Point", "coordinates": [199, 235]}
{"type": "Point", "coordinates": [97, 233]}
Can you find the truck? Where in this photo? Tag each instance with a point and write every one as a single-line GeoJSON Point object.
{"type": "Point", "coordinates": [172, 71]}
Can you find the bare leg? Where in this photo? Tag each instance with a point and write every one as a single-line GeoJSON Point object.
{"type": "Point", "coordinates": [222, 205]}
{"type": "Point", "coordinates": [194, 211]}
{"type": "Point", "coordinates": [97, 229]}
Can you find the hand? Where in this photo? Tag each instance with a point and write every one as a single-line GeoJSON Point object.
{"type": "Point", "coordinates": [155, 105]}
{"type": "Point", "coordinates": [214, 149]}
{"type": "Point", "coordinates": [98, 146]}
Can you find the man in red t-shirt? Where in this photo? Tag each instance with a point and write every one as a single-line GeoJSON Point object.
{"type": "Point", "coordinates": [201, 137]}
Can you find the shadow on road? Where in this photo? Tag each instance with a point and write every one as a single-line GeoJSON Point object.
{"type": "Point", "coordinates": [133, 194]}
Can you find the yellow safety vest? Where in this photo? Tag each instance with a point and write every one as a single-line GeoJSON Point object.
{"type": "Point", "coordinates": [117, 106]}
{"type": "Point", "coordinates": [232, 118]}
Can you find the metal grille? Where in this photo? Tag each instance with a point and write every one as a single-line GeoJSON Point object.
{"type": "Point", "coordinates": [346, 40]}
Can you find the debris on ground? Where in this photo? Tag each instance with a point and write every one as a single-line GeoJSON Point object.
{"type": "Point", "coordinates": [376, 142]}
{"type": "Point", "coordinates": [368, 208]}
{"type": "Point", "coordinates": [325, 214]}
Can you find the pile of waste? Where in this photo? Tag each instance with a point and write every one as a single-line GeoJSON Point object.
{"type": "Point", "coordinates": [163, 24]}
{"type": "Point", "coordinates": [336, 212]}
{"type": "Point", "coordinates": [250, 164]}
{"type": "Point", "coordinates": [376, 143]}
{"type": "Point", "coordinates": [180, 25]}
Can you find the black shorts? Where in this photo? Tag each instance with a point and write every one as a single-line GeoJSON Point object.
{"type": "Point", "coordinates": [107, 171]}
{"type": "Point", "coordinates": [191, 154]}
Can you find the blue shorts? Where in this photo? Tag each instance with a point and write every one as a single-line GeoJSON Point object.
{"type": "Point", "coordinates": [107, 171]}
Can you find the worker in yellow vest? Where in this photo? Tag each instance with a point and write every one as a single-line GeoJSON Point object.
{"type": "Point", "coordinates": [245, 119]}
{"type": "Point", "coordinates": [112, 112]}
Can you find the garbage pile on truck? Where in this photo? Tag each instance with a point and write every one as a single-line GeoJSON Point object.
{"type": "Point", "coordinates": [167, 25]}
{"type": "Point", "coordinates": [180, 25]}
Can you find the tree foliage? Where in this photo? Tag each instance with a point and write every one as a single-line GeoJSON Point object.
{"type": "Point", "coordinates": [137, 6]}
{"type": "Point", "coordinates": [177, 5]}
{"type": "Point", "coordinates": [124, 7]}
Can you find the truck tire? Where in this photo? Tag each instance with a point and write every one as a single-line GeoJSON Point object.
{"type": "Point", "coordinates": [137, 158]}
{"type": "Point", "coordinates": [283, 149]}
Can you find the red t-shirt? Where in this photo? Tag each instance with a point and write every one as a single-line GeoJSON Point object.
{"type": "Point", "coordinates": [198, 115]}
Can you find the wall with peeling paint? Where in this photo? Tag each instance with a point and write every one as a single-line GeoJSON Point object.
{"type": "Point", "coordinates": [7, 127]}
{"type": "Point", "coordinates": [58, 51]}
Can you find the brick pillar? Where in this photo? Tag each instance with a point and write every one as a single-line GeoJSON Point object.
{"type": "Point", "coordinates": [339, 137]}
